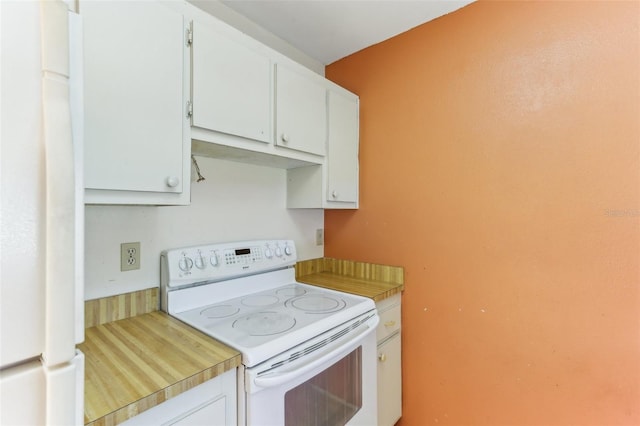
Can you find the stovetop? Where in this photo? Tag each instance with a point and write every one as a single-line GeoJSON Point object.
{"type": "Point", "coordinates": [263, 324]}
{"type": "Point", "coordinates": [262, 313]}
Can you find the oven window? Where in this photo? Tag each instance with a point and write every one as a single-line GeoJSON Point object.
{"type": "Point", "coordinates": [331, 398]}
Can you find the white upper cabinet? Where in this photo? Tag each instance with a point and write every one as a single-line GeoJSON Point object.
{"type": "Point", "coordinates": [165, 79]}
{"type": "Point", "coordinates": [335, 183]}
{"type": "Point", "coordinates": [251, 103]}
{"type": "Point", "coordinates": [342, 161]}
{"type": "Point", "coordinates": [301, 111]}
{"type": "Point", "coordinates": [231, 86]}
{"type": "Point", "coordinates": [137, 148]}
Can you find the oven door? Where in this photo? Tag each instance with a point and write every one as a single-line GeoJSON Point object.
{"type": "Point", "coordinates": [334, 385]}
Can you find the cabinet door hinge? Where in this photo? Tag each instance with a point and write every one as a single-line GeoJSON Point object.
{"type": "Point", "coordinates": [189, 36]}
{"type": "Point", "coordinates": [189, 109]}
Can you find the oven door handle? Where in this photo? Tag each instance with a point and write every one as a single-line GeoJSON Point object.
{"type": "Point", "coordinates": [273, 380]}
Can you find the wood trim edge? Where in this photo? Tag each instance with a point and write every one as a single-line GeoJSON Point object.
{"type": "Point", "coordinates": [121, 306]}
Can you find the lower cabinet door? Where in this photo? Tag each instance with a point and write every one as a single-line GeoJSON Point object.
{"type": "Point", "coordinates": [212, 403]}
{"type": "Point", "coordinates": [389, 381]}
{"type": "Point", "coordinates": [212, 413]}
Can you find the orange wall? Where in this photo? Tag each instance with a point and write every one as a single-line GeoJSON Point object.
{"type": "Point", "coordinates": [500, 165]}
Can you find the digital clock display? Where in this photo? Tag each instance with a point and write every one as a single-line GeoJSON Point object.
{"type": "Point", "coordinates": [240, 252]}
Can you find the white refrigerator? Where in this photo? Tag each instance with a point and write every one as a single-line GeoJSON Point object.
{"type": "Point", "coordinates": [41, 215]}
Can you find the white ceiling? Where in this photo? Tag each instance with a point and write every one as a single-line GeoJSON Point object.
{"type": "Point", "coordinates": [328, 30]}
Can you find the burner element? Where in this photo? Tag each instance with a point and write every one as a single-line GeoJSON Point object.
{"type": "Point", "coordinates": [318, 304]}
{"type": "Point", "coordinates": [291, 291]}
{"type": "Point", "coordinates": [265, 323]}
{"type": "Point", "coordinates": [259, 300]}
{"type": "Point", "coordinates": [219, 311]}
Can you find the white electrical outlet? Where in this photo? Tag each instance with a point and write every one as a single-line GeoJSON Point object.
{"type": "Point", "coordinates": [319, 237]}
{"type": "Point", "coordinates": [129, 256]}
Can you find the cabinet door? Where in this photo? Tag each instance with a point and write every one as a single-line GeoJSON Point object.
{"type": "Point", "coordinates": [212, 403]}
{"type": "Point", "coordinates": [133, 55]}
{"type": "Point", "coordinates": [389, 381]}
{"type": "Point", "coordinates": [301, 112]}
{"type": "Point", "coordinates": [231, 86]}
{"type": "Point", "coordinates": [212, 413]}
{"type": "Point", "coordinates": [342, 161]}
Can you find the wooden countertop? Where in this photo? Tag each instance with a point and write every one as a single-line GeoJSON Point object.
{"type": "Point", "coordinates": [365, 279]}
{"type": "Point", "coordinates": [136, 363]}
{"type": "Point", "coordinates": [137, 357]}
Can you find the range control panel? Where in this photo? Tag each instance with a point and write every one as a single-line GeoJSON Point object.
{"type": "Point", "coordinates": [216, 262]}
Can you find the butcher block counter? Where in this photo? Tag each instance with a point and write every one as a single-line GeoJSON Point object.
{"type": "Point", "coordinates": [377, 282]}
{"type": "Point", "coordinates": [135, 360]}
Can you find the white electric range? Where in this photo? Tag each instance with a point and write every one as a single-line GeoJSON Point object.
{"type": "Point", "coordinates": [292, 336]}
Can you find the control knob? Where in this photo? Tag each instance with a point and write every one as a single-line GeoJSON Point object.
{"type": "Point", "coordinates": [268, 253]}
{"type": "Point", "coordinates": [185, 264]}
{"type": "Point", "coordinates": [287, 250]}
{"type": "Point", "coordinates": [200, 263]}
{"type": "Point", "coordinates": [213, 260]}
{"type": "Point", "coordinates": [278, 251]}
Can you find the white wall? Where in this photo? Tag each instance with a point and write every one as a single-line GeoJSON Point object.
{"type": "Point", "coordinates": [236, 201]}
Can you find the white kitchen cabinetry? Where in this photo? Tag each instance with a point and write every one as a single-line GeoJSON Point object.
{"type": "Point", "coordinates": [250, 103]}
{"type": "Point", "coordinates": [254, 105]}
{"type": "Point", "coordinates": [335, 184]}
{"type": "Point", "coordinates": [231, 85]}
{"type": "Point", "coordinates": [389, 361]}
{"type": "Point", "coordinates": [301, 110]}
{"type": "Point", "coordinates": [137, 147]}
{"type": "Point", "coordinates": [342, 162]}
{"type": "Point", "coordinates": [211, 403]}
